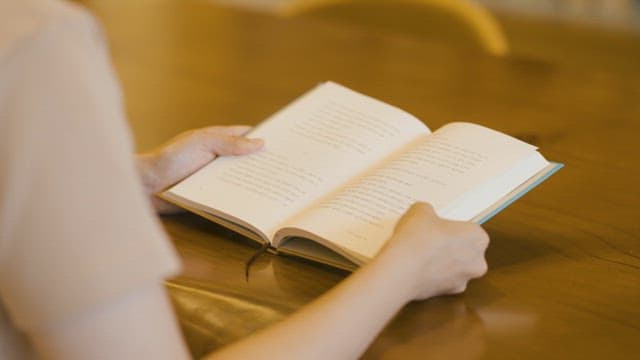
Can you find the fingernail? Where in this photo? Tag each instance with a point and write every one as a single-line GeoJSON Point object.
{"type": "Point", "coordinates": [244, 128]}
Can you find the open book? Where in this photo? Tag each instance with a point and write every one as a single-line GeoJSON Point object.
{"type": "Point", "coordinates": [340, 168]}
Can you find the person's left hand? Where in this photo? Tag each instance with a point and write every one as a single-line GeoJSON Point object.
{"type": "Point", "coordinates": [188, 152]}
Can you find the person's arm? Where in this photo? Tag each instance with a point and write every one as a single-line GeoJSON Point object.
{"type": "Point", "coordinates": [184, 154]}
{"type": "Point", "coordinates": [426, 257]}
{"type": "Point", "coordinates": [139, 324]}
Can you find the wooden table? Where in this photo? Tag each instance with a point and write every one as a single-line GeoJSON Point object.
{"type": "Point", "coordinates": [564, 279]}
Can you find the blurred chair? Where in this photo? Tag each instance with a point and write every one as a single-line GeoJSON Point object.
{"type": "Point", "coordinates": [454, 21]}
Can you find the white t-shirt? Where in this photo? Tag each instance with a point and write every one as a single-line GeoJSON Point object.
{"type": "Point", "coordinates": [76, 228]}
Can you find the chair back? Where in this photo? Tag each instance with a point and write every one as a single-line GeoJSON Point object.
{"type": "Point", "coordinates": [454, 21]}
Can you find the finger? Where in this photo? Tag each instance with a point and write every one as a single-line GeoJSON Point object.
{"type": "Point", "coordinates": [475, 234]}
{"type": "Point", "coordinates": [421, 208]}
{"type": "Point", "coordinates": [458, 290]}
{"type": "Point", "coordinates": [419, 211]}
{"type": "Point", "coordinates": [233, 145]}
{"type": "Point", "coordinates": [483, 238]}
{"type": "Point", "coordinates": [482, 269]}
{"type": "Point", "coordinates": [233, 130]}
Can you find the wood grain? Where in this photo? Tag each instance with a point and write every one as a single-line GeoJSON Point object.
{"type": "Point", "coordinates": [564, 279]}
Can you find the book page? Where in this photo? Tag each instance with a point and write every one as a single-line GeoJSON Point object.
{"type": "Point", "coordinates": [440, 169]}
{"type": "Point", "coordinates": [312, 146]}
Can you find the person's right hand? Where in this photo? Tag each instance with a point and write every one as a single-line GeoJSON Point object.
{"type": "Point", "coordinates": [425, 257]}
{"type": "Point", "coordinates": [440, 256]}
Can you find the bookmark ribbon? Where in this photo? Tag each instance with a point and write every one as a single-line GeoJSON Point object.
{"type": "Point", "coordinates": [264, 248]}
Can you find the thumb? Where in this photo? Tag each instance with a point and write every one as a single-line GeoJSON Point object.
{"type": "Point", "coordinates": [417, 213]}
{"type": "Point", "coordinates": [421, 209]}
{"type": "Point", "coordinates": [233, 145]}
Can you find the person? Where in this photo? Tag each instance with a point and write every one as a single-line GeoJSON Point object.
{"type": "Point", "coordinates": [82, 256]}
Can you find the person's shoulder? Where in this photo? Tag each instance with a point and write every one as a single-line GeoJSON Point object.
{"type": "Point", "coordinates": [24, 20]}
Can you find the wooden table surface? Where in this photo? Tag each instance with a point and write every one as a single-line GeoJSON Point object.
{"type": "Point", "coordinates": [564, 278]}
